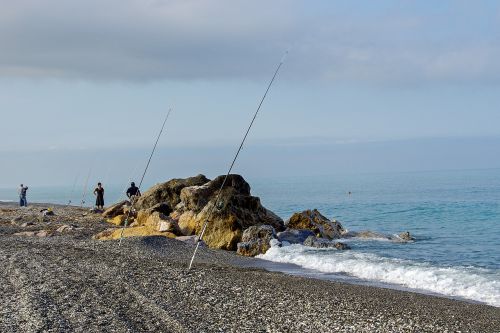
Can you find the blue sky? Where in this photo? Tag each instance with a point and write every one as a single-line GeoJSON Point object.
{"type": "Point", "coordinates": [96, 77]}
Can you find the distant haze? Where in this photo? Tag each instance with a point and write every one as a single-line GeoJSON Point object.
{"type": "Point", "coordinates": [368, 86]}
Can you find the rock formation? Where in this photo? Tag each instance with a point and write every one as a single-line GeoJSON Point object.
{"type": "Point", "coordinates": [181, 207]}
{"type": "Point", "coordinates": [317, 223]}
{"type": "Point", "coordinates": [256, 240]}
{"type": "Point", "coordinates": [235, 211]}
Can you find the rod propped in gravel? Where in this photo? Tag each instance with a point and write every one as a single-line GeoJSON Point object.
{"type": "Point", "coordinates": [85, 186]}
{"type": "Point", "coordinates": [200, 238]}
{"type": "Point", "coordinates": [144, 173]}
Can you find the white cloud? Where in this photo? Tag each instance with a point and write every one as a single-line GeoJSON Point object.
{"type": "Point", "coordinates": [199, 39]}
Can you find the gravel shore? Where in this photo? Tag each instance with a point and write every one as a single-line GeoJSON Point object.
{"type": "Point", "coordinates": [68, 282]}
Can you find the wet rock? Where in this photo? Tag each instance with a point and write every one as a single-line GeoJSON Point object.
{"type": "Point", "coordinates": [405, 236]}
{"type": "Point", "coordinates": [365, 234]}
{"type": "Point", "coordinates": [294, 236]}
{"type": "Point", "coordinates": [256, 240]}
{"type": "Point", "coordinates": [313, 220]}
{"type": "Point", "coordinates": [322, 243]}
{"type": "Point", "coordinates": [115, 210]}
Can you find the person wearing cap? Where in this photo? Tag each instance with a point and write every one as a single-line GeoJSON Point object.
{"type": "Point", "coordinates": [133, 191]}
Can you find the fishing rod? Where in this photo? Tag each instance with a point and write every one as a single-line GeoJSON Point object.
{"type": "Point", "coordinates": [200, 238]}
{"type": "Point", "coordinates": [72, 190]}
{"type": "Point", "coordinates": [144, 174]}
{"type": "Point", "coordinates": [84, 194]}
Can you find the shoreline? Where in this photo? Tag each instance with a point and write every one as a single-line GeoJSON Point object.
{"type": "Point", "coordinates": [69, 282]}
{"type": "Point", "coordinates": [285, 268]}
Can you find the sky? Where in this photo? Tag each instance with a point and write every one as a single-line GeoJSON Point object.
{"type": "Point", "coordinates": [366, 86]}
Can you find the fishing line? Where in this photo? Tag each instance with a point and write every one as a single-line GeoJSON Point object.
{"type": "Point", "coordinates": [144, 174]}
{"type": "Point", "coordinates": [200, 238]}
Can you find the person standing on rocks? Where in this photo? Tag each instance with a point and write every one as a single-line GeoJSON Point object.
{"type": "Point", "coordinates": [99, 193]}
{"type": "Point", "coordinates": [22, 196]}
{"type": "Point", "coordinates": [133, 191]}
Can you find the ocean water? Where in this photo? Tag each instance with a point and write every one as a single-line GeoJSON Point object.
{"type": "Point", "coordinates": [454, 216]}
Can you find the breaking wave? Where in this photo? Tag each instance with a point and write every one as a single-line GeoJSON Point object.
{"type": "Point", "coordinates": [478, 284]}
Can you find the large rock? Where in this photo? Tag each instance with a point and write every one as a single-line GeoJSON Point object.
{"type": "Point", "coordinates": [294, 236]}
{"type": "Point", "coordinates": [167, 193]}
{"type": "Point", "coordinates": [256, 240]}
{"type": "Point", "coordinates": [313, 220]}
{"type": "Point", "coordinates": [322, 243]}
{"type": "Point", "coordinates": [235, 211]}
{"type": "Point", "coordinates": [115, 210]}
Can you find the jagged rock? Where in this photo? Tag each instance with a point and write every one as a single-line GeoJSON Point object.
{"type": "Point", "coordinates": [405, 236]}
{"type": "Point", "coordinates": [115, 210]}
{"type": "Point", "coordinates": [294, 236]}
{"type": "Point", "coordinates": [322, 243]}
{"type": "Point", "coordinates": [235, 211]}
{"type": "Point", "coordinates": [141, 231]}
{"type": "Point", "coordinates": [317, 223]}
{"type": "Point", "coordinates": [256, 240]}
{"type": "Point", "coordinates": [117, 220]}
{"type": "Point", "coordinates": [144, 214]}
{"type": "Point", "coordinates": [167, 193]}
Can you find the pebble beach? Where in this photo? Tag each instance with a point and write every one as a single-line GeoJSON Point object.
{"type": "Point", "coordinates": [62, 280]}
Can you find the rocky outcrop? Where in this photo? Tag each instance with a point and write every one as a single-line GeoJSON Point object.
{"type": "Point", "coordinates": [115, 210]}
{"type": "Point", "coordinates": [294, 236]}
{"type": "Point", "coordinates": [256, 240]}
{"type": "Point", "coordinates": [235, 211]}
{"type": "Point", "coordinates": [322, 243]}
{"type": "Point", "coordinates": [167, 193]}
{"type": "Point", "coordinates": [313, 220]}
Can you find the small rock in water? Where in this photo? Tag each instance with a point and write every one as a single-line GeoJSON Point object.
{"type": "Point", "coordinates": [406, 236]}
{"type": "Point", "coordinates": [323, 243]}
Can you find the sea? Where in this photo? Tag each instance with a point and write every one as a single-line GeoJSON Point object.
{"type": "Point", "coordinates": [453, 215]}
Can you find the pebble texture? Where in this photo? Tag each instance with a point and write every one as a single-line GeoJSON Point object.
{"type": "Point", "coordinates": [70, 283]}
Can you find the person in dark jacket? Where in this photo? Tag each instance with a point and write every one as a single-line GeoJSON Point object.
{"type": "Point", "coordinates": [133, 191]}
{"type": "Point", "coordinates": [99, 193]}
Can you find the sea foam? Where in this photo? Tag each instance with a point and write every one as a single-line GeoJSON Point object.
{"type": "Point", "coordinates": [471, 283]}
